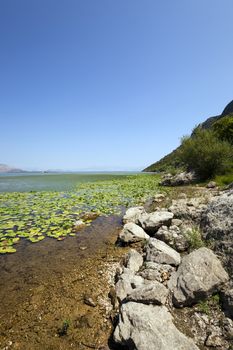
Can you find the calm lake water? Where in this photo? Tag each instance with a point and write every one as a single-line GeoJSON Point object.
{"type": "Point", "coordinates": [25, 182]}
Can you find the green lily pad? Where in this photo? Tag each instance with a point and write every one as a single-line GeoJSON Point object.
{"type": "Point", "coordinates": [7, 249]}
{"type": "Point", "coordinates": [35, 215]}
{"type": "Point", "coordinates": [35, 239]}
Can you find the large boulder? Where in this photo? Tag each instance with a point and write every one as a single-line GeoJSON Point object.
{"type": "Point", "coordinates": [199, 275]}
{"type": "Point", "coordinates": [133, 214]}
{"type": "Point", "coordinates": [159, 252]}
{"type": "Point", "coordinates": [217, 219]}
{"type": "Point", "coordinates": [149, 327]}
{"type": "Point", "coordinates": [151, 293]}
{"type": "Point", "coordinates": [132, 233]}
{"type": "Point", "coordinates": [153, 221]}
{"type": "Point", "coordinates": [217, 225]}
{"type": "Point", "coordinates": [180, 179]}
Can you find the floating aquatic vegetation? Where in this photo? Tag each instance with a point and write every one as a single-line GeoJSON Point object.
{"type": "Point", "coordinates": [35, 215]}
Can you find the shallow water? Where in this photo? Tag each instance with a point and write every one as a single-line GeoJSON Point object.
{"type": "Point", "coordinates": [44, 284]}
{"type": "Point", "coordinates": [25, 182]}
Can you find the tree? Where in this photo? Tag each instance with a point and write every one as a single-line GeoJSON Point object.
{"type": "Point", "coordinates": [205, 154]}
{"type": "Point", "coordinates": [223, 128]}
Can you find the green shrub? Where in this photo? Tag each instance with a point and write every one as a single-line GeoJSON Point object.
{"type": "Point", "coordinates": [205, 154]}
{"type": "Point", "coordinates": [224, 180]}
{"type": "Point", "coordinates": [223, 128]}
{"type": "Point", "coordinates": [194, 238]}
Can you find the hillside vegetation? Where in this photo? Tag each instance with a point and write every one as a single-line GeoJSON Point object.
{"type": "Point", "coordinates": [208, 151]}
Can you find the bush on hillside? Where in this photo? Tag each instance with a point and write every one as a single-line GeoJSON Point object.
{"type": "Point", "coordinates": [223, 128]}
{"type": "Point", "coordinates": [205, 154]}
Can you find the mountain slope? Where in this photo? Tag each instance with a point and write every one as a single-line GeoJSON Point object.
{"type": "Point", "coordinates": [171, 159]}
{"type": "Point", "coordinates": [8, 169]}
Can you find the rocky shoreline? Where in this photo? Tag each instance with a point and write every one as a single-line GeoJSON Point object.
{"type": "Point", "coordinates": [173, 289]}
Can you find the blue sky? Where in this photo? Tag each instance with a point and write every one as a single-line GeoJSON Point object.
{"type": "Point", "coordinates": [103, 84]}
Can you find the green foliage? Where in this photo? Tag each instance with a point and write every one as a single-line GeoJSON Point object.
{"type": "Point", "coordinates": [194, 238]}
{"type": "Point", "coordinates": [170, 163]}
{"type": "Point", "coordinates": [35, 215]}
{"type": "Point", "coordinates": [210, 304]}
{"type": "Point", "coordinates": [205, 154]}
{"type": "Point", "coordinates": [204, 307]}
{"type": "Point", "coordinates": [223, 128]}
{"type": "Point", "coordinates": [224, 180]}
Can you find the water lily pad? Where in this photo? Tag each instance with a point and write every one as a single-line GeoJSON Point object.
{"type": "Point", "coordinates": [35, 239]}
{"type": "Point", "coordinates": [7, 249]}
{"type": "Point", "coordinates": [34, 215]}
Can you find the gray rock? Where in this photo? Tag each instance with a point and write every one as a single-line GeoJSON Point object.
{"type": "Point", "coordinates": [158, 267]}
{"type": "Point", "coordinates": [177, 222]}
{"type": "Point", "coordinates": [159, 252]}
{"type": "Point", "coordinates": [151, 275]}
{"type": "Point", "coordinates": [181, 243]}
{"type": "Point", "coordinates": [152, 202]}
{"type": "Point", "coordinates": [132, 233]}
{"type": "Point", "coordinates": [153, 221]}
{"type": "Point", "coordinates": [133, 214]}
{"type": "Point", "coordinates": [211, 184]}
{"type": "Point", "coordinates": [227, 301]}
{"type": "Point", "coordinates": [191, 209]}
{"type": "Point", "coordinates": [184, 178]}
{"type": "Point", "coordinates": [174, 230]}
{"type": "Point", "coordinates": [228, 328]}
{"type": "Point", "coordinates": [133, 260]}
{"type": "Point", "coordinates": [126, 283]}
{"type": "Point", "coordinates": [149, 327]}
{"type": "Point", "coordinates": [173, 237]}
{"type": "Point", "coordinates": [215, 338]}
{"type": "Point", "coordinates": [199, 275]}
{"type": "Point", "coordinates": [152, 293]}
{"type": "Point", "coordinates": [156, 272]}
{"type": "Point", "coordinates": [217, 219]}
{"type": "Point", "coordinates": [217, 225]}
{"type": "Point", "coordinates": [164, 234]}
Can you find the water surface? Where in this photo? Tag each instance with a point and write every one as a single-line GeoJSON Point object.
{"type": "Point", "coordinates": [25, 182]}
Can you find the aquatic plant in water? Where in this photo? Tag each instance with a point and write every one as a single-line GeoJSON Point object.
{"type": "Point", "coordinates": [35, 215]}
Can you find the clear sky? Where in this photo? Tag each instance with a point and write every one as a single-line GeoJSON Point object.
{"type": "Point", "coordinates": [104, 84]}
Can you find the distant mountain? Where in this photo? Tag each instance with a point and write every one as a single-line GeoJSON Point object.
{"type": "Point", "coordinates": [8, 169]}
{"type": "Point", "coordinates": [171, 159]}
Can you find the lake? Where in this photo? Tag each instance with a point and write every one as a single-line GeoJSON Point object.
{"type": "Point", "coordinates": [55, 265]}
{"type": "Point", "coordinates": [24, 182]}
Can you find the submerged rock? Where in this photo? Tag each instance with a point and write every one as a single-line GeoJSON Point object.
{"type": "Point", "coordinates": [149, 327]}
{"type": "Point", "coordinates": [199, 275]}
